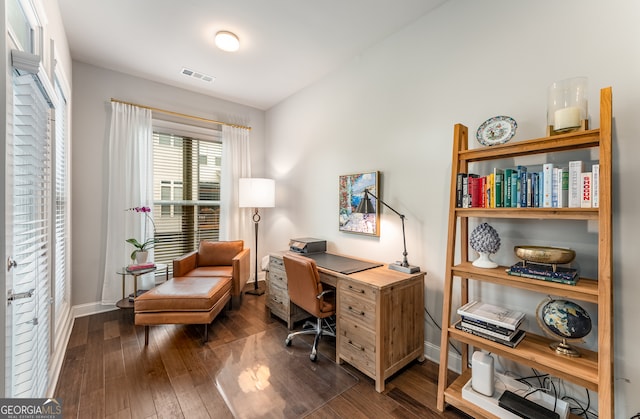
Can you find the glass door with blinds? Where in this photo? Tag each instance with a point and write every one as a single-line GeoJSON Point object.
{"type": "Point", "coordinates": [186, 193]}
{"type": "Point", "coordinates": [28, 246]}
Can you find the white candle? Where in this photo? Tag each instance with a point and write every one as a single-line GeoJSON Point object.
{"type": "Point", "coordinates": [567, 118]}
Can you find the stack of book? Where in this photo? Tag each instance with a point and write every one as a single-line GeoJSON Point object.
{"type": "Point", "coordinates": [491, 322]}
{"type": "Point", "coordinates": [141, 267]}
{"type": "Point", "coordinates": [545, 272]}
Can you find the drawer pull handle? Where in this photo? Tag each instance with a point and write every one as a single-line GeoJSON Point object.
{"type": "Point", "coordinates": [359, 290]}
{"type": "Point", "coordinates": [351, 309]}
{"type": "Point", "coordinates": [358, 347]}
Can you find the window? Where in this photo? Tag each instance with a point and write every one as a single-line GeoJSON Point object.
{"type": "Point", "coordinates": [186, 190]}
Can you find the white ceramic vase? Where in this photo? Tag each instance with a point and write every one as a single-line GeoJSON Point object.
{"type": "Point", "coordinates": [484, 261]}
{"type": "Point", "coordinates": [141, 257]}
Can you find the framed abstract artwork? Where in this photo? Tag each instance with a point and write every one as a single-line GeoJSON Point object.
{"type": "Point", "coordinates": [352, 193]}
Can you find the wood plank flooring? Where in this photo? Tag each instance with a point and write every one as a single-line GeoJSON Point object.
{"type": "Point", "coordinates": [107, 373]}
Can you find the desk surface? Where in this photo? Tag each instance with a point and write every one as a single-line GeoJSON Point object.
{"type": "Point", "coordinates": [343, 264]}
{"type": "Point", "coordinates": [379, 276]}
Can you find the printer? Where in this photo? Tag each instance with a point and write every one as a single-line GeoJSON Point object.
{"type": "Point", "coordinates": [307, 245]}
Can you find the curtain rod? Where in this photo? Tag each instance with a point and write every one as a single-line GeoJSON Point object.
{"type": "Point", "coordinates": [182, 115]}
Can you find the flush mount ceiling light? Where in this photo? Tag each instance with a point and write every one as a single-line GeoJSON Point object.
{"type": "Point", "coordinates": [227, 41]}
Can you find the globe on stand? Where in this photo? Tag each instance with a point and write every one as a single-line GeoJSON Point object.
{"type": "Point", "coordinates": [484, 240]}
{"type": "Point", "coordinates": [563, 319]}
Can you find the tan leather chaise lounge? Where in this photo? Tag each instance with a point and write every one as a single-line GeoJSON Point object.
{"type": "Point", "coordinates": [203, 282]}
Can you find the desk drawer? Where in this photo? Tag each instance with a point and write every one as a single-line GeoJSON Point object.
{"type": "Point", "coordinates": [276, 263]}
{"type": "Point", "coordinates": [277, 279]}
{"type": "Point", "coordinates": [357, 347]}
{"type": "Point", "coordinates": [348, 287]}
{"type": "Point", "coordinates": [359, 310]}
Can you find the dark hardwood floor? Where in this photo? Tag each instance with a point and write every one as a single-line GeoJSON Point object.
{"type": "Point", "coordinates": [108, 372]}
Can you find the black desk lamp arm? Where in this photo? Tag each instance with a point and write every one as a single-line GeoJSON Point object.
{"type": "Point", "coordinates": [405, 262]}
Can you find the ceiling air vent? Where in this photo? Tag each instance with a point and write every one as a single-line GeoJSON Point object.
{"type": "Point", "coordinates": [197, 75]}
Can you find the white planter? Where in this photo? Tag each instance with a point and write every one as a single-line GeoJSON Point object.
{"type": "Point", "coordinates": [141, 257]}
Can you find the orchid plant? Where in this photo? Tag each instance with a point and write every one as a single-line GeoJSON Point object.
{"type": "Point", "coordinates": [147, 244]}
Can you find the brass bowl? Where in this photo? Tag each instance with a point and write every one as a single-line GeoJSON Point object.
{"type": "Point", "coordinates": [542, 254]}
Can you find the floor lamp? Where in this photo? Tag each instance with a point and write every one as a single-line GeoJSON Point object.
{"type": "Point", "coordinates": [366, 207]}
{"type": "Point", "coordinates": [256, 193]}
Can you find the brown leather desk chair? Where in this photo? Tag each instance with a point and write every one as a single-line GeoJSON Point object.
{"type": "Point", "coordinates": [305, 290]}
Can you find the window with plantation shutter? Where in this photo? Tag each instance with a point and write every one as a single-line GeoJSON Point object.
{"type": "Point", "coordinates": [186, 172]}
{"type": "Point", "coordinates": [31, 216]}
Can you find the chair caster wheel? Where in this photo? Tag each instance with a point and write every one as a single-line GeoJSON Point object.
{"type": "Point", "coordinates": [287, 342]}
{"type": "Point", "coordinates": [313, 357]}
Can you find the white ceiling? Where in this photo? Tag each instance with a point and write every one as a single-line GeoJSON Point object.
{"type": "Point", "coordinates": [285, 45]}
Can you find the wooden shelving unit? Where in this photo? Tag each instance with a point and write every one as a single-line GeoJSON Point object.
{"type": "Point", "coordinates": [594, 369]}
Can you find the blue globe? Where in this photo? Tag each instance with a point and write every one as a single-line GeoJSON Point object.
{"type": "Point", "coordinates": [566, 319]}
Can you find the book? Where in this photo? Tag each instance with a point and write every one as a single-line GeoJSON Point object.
{"type": "Point", "coordinates": [466, 190]}
{"type": "Point", "coordinates": [563, 187]}
{"type": "Point", "coordinates": [508, 179]}
{"type": "Point", "coordinates": [498, 180]}
{"type": "Point", "coordinates": [510, 343]}
{"type": "Point", "coordinates": [489, 326]}
{"type": "Point", "coordinates": [490, 313]}
{"type": "Point", "coordinates": [475, 192]}
{"type": "Point", "coordinates": [547, 184]}
{"type": "Point", "coordinates": [141, 267]}
{"type": "Point", "coordinates": [595, 186]}
{"type": "Point", "coordinates": [585, 181]}
{"type": "Point", "coordinates": [132, 297]}
{"type": "Point", "coordinates": [529, 189]}
{"type": "Point", "coordinates": [489, 331]}
{"type": "Point", "coordinates": [555, 187]}
{"type": "Point", "coordinates": [535, 270]}
{"type": "Point", "coordinates": [575, 188]}
{"type": "Point", "coordinates": [489, 203]}
{"type": "Point", "coordinates": [543, 277]}
{"type": "Point", "coordinates": [514, 189]}
{"type": "Point", "coordinates": [522, 186]}
{"type": "Point", "coordinates": [459, 179]}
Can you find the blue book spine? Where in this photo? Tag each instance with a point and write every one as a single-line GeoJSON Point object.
{"type": "Point", "coordinates": [535, 198]}
{"type": "Point", "coordinates": [522, 183]}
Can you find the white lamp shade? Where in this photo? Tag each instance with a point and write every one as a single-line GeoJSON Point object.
{"type": "Point", "coordinates": [257, 193]}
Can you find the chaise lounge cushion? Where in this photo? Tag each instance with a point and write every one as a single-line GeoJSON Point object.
{"type": "Point", "coordinates": [186, 300]}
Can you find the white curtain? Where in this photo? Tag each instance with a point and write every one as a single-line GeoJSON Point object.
{"type": "Point", "coordinates": [130, 185]}
{"type": "Point", "coordinates": [236, 163]}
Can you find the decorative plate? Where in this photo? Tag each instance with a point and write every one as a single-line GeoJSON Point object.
{"type": "Point", "coordinates": [496, 130]}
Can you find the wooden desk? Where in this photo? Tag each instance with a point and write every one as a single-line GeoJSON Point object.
{"type": "Point", "coordinates": [379, 316]}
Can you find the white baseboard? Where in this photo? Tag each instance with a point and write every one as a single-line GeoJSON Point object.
{"type": "Point", "coordinates": [432, 353]}
{"type": "Point", "coordinates": [91, 308]}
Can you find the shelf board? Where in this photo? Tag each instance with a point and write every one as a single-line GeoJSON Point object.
{"type": "Point", "coordinates": [534, 351]}
{"type": "Point", "coordinates": [585, 289]}
{"type": "Point", "coordinates": [556, 143]}
{"type": "Point", "coordinates": [531, 213]}
{"type": "Point", "coordinates": [453, 396]}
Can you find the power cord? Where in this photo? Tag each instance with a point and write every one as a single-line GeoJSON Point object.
{"type": "Point", "coordinates": [440, 328]}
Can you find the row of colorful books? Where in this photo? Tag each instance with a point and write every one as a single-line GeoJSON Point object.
{"type": "Point", "coordinates": [523, 187]}
{"type": "Point", "coordinates": [543, 272]}
{"type": "Point", "coordinates": [488, 321]}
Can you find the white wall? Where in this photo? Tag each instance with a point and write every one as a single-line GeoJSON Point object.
{"type": "Point", "coordinates": [93, 88]}
{"type": "Point", "coordinates": [393, 109]}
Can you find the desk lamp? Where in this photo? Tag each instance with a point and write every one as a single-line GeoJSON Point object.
{"type": "Point", "coordinates": [366, 207]}
{"type": "Point", "coordinates": [256, 193]}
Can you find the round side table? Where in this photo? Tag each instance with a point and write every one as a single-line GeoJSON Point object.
{"type": "Point", "coordinates": [124, 272]}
